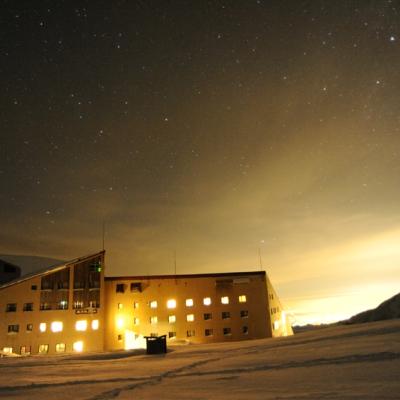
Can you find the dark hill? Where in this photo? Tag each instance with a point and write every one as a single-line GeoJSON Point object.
{"type": "Point", "coordinates": [389, 309]}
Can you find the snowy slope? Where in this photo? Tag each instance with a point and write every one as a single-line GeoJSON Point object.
{"type": "Point", "coordinates": [344, 362]}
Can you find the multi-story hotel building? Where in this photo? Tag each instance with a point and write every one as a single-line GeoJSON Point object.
{"type": "Point", "coordinates": [72, 307]}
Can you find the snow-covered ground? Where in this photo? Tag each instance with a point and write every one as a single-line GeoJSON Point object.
{"type": "Point", "coordinates": [349, 362]}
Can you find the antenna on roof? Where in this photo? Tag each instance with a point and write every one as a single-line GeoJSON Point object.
{"type": "Point", "coordinates": [103, 233]}
{"type": "Point", "coordinates": [260, 259]}
{"type": "Point", "coordinates": [174, 262]}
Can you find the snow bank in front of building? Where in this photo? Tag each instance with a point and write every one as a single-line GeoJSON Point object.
{"type": "Point", "coordinates": [344, 362]}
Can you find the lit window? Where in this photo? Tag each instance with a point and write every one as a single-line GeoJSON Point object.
{"type": "Point", "coordinates": [56, 326]}
{"type": "Point", "coordinates": [190, 317]}
{"type": "Point", "coordinates": [171, 303]}
{"type": "Point", "coordinates": [43, 348]}
{"type": "Point", "coordinates": [225, 300]}
{"type": "Point", "coordinates": [189, 302]}
{"type": "Point", "coordinates": [153, 320]}
{"type": "Point", "coordinates": [136, 321]}
{"type": "Point", "coordinates": [42, 327]}
{"type": "Point", "coordinates": [7, 350]}
{"type": "Point", "coordinates": [135, 305]}
{"type": "Point", "coordinates": [95, 324]}
{"type": "Point", "coordinates": [171, 319]}
{"type": "Point", "coordinates": [276, 325]}
{"type": "Point", "coordinates": [81, 325]}
{"type": "Point", "coordinates": [60, 347]}
{"type": "Point", "coordinates": [242, 298]}
{"type": "Point", "coordinates": [207, 301]}
{"type": "Point", "coordinates": [78, 346]}
{"type": "Point", "coordinates": [120, 306]}
{"type": "Point", "coordinates": [153, 304]}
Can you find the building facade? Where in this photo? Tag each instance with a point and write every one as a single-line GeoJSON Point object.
{"type": "Point", "coordinates": [72, 308]}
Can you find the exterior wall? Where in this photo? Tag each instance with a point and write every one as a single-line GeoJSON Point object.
{"type": "Point", "coordinates": [279, 321]}
{"type": "Point", "coordinates": [121, 331]}
{"type": "Point", "coordinates": [30, 291]}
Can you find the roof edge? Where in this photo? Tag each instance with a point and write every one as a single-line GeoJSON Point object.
{"type": "Point", "coordinates": [183, 276]}
{"type": "Point", "coordinates": [50, 269]}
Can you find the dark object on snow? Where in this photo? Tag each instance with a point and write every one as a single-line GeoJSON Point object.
{"type": "Point", "coordinates": [156, 344]}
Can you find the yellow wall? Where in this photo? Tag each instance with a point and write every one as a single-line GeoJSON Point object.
{"type": "Point", "coordinates": [20, 293]}
{"type": "Point", "coordinates": [120, 311]}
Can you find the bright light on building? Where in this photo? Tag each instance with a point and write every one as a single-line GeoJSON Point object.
{"type": "Point", "coordinates": [189, 302]}
{"type": "Point", "coordinates": [95, 324]}
{"type": "Point", "coordinates": [120, 306]}
{"type": "Point", "coordinates": [225, 300]}
{"type": "Point", "coordinates": [56, 326]}
{"type": "Point", "coordinates": [7, 350]}
{"type": "Point", "coordinates": [171, 303]}
{"type": "Point", "coordinates": [42, 327]}
{"type": "Point", "coordinates": [153, 304]}
{"type": "Point", "coordinates": [171, 319]}
{"type": "Point", "coordinates": [207, 301]}
{"type": "Point", "coordinates": [78, 346]}
{"type": "Point", "coordinates": [81, 325]}
{"type": "Point", "coordinates": [153, 320]}
{"type": "Point", "coordinates": [120, 322]}
{"type": "Point", "coordinates": [242, 298]}
{"type": "Point", "coordinates": [190, 317]}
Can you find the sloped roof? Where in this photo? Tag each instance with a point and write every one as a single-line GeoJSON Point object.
{"type": "Point", "coordinates": [49, 269]}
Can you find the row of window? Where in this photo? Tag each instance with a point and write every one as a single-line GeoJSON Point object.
{"type": "Point", "coordinates": [191, 317]}
{"type": "Point", "coordinates": [171, 303]}
{"type": "Point", "coordinates": [61, 305]}
{"type": "Point", "coordinates": [44, 348]}
{"type": "Point", "coordinates": [57, 326]}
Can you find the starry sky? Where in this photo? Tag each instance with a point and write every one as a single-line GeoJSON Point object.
{"type": "Point", "coordinates": [219, 131]}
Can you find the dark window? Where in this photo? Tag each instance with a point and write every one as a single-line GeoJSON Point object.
{"type": "Point", "coordinates": [29, 327]}
{"type": "Point", "coordinates": [207, 316]}
{"type": "Point", "coordinates": [245, 330]}
{"type": "Point", "coordinates": [136, 287]}
{"type": "Point", "coordinates": [13, 328]}
{"type": "Point", "coordinates": [226, 315]}
{"type": "Point", "coordinates": [45, 306]}
{"type": "Point", "coordinates": [119, 338]}
{"type": "Point", "coordinates": [34, 287]}
{"type": "Point", "coordinates": [120, 288]}
{"type": "Point", "coordinates": [171, 334]}
{"type": "Point", "coordinates": [208, 332]}
{"type": "Point", "coordinates": [28, 307]}
{"type": "Point", "coordinates": [190, 333]}
{"type": "Point", "coordinates": [11, 307]}
{"type": "Point", "coordinates": [244, 313]}
{"type": "Point", "coordinates": [227, 331]}
{"type": "Point", "coordinates": [154, 334]}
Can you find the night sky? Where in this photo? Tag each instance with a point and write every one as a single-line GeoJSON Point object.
{"type": "Point", "coordinates": [214, 129]}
